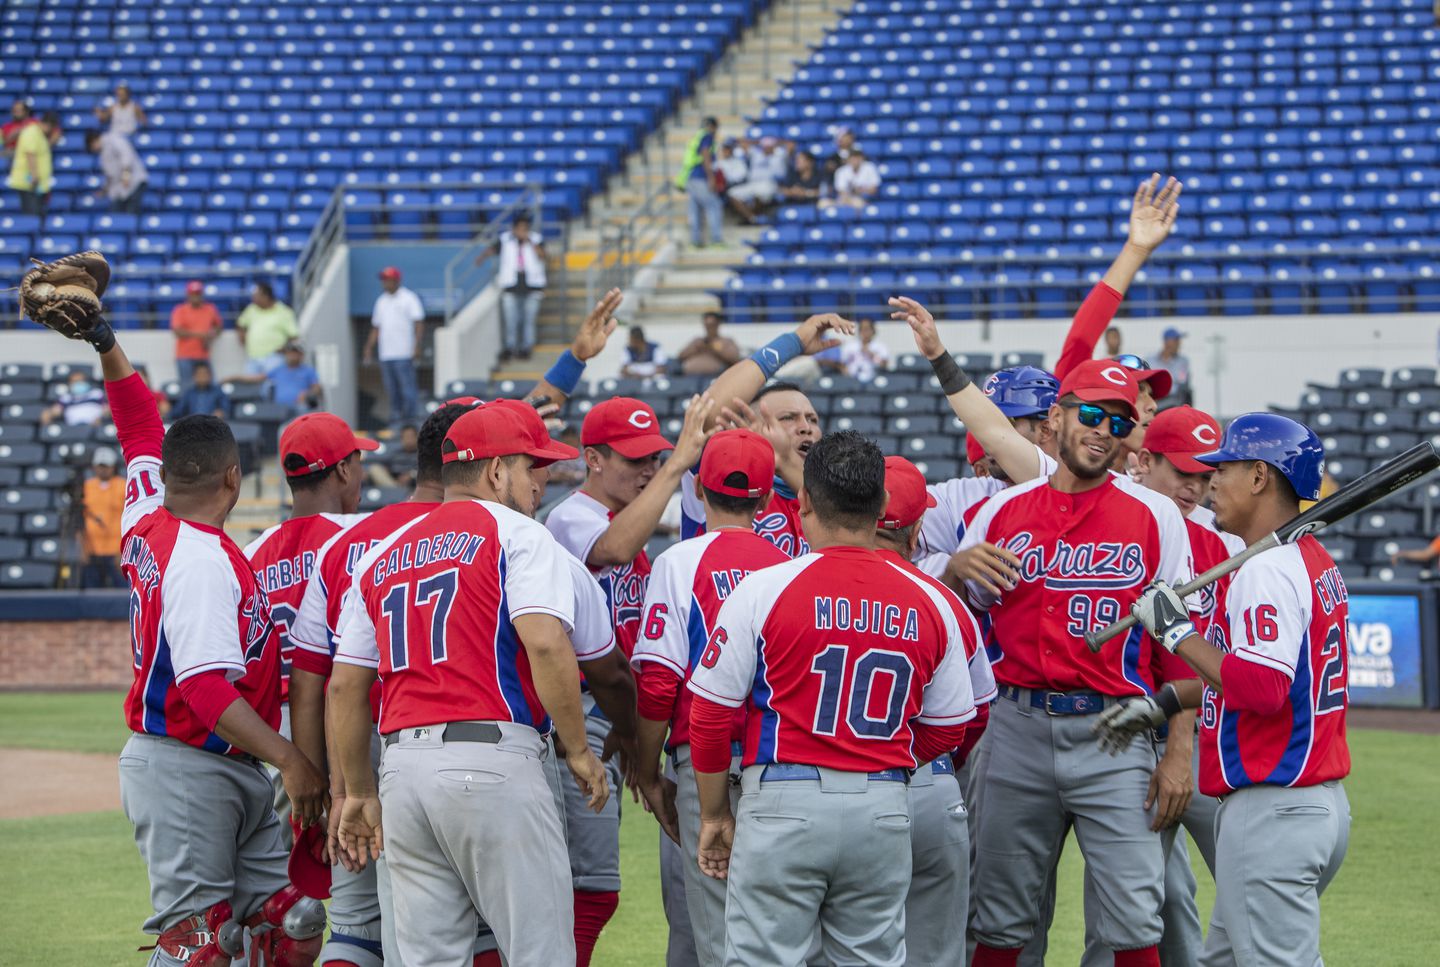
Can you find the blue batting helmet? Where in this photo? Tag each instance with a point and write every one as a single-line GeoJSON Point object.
{"type": "Point", "coordinates": [1022, 391]}
{"type": "Point", "coordinates": [1288, 446]}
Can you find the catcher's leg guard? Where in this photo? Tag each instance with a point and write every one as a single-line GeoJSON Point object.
{"type": "Point", "coordinates": [288, 931]}
{"type": "Point", "coordinates": [209, 939]}
{"type": "Point", "coordinates": [358, 946]}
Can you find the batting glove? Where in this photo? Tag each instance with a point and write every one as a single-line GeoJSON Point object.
{"type": "Point", "coordinates": [1164, 615]}
{"type": "Point", "coordinates": [1118, 725]}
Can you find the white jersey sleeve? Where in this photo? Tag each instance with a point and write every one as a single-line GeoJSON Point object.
{"type": "Point", "coordinates": [144, 491]}
{"type": "Point", "coordinates": [201, 598]}
{"type": "Point", "coordinates": [537, 579]}
{"type": "Point", "coordinates": [665, 630]}
{"type": "Point", "coordinates": [726, 670]}
{"type": "Point", "coordinates": [356, 642]}
{"type": "Point", "coordinates": [944, 524]}
{"type": "Point", "coordinates": [979, 533]}
{"type": "Point", "coordinates": [578, 522]}
{"type": "Point", "coordinates": [948, 698]}
{"type": "Point", "coordinates": [310, 630]}
{"type": "Point", "coordinates": [593, 636]}
{"type": "Point", "coordinates": [1268, 608]}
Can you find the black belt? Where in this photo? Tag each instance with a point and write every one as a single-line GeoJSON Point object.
{"type": "Point", "coordinates": [454, 732]}
{"type": "Point", "coordinates": [1058, 703]}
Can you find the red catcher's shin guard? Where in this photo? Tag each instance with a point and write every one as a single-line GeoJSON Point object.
{"type": "Point", "coordinates": [592, 912]}
{"type": "Point", "coordinates": [1144, 957]}
{"type": "Point", "coordinates": [995, 956]}
{"type": "Point", "coordinates": [490, 958]}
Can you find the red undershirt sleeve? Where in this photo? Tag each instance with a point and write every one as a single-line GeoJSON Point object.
{"type": "Point", "coordinates": [657, 687]}
{"type": "Point", "coordinates": [710, 734]}
{"type": "Point", "coordinates": [1251, 687]}
{"type": "Point", "coordinates": [208, 695]}
{"type": "Point", "coordinates": [137, 420]}
{"type": "Point", "coordinates": [933, 741]}
{"type": "Point", "coordinates": [973, 730]}
{"type": "Point", "coordinates": [1091, 319]}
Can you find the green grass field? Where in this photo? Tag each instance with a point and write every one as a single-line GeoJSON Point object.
{"type": "Point", "coordinates": [75, 887]}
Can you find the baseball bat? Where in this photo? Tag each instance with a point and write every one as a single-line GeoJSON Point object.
{"type": "Point", "coordinates": [1352, 498]}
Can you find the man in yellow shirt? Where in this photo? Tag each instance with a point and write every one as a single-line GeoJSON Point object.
{"type": "Point", "coordinates": [32, 171]}
{"type": "Point", "coordinates": [104, 503]}
{"type": "Point", "coordinates": [268, 324]}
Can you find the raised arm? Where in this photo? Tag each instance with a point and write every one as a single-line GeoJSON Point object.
{"type": "Point", "coordinates": [560, 380]}
{"type": "Point", "coordinates": [744, 379]}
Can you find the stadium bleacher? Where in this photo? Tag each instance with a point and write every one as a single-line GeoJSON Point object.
{"type": "Point", "coordinates": [1010, 139]}
{"type": "Point", "coordinates": [258, 111]}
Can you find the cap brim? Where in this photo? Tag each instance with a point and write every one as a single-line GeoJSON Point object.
{"type": "Point", "coordinates": [930, 500]}
{"type": "Point", "coordinates": [546, 455]}
{"type": "Point", "coordinates": [1186, 462]}
{"type": "Point", "coordinates": [365, 443]}
{"type": "Point", "coordinates": [636, 447]}
{"type": "Point", "coordinates": [1216, 457]}
{"type": "Point", "coordinates": [1098, 395]}
{"type": "Point", "coordinates": [1160, 380]}
{"type": "Point", "coordinates": [308, 872]}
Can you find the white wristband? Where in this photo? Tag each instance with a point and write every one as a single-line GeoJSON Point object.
{"type": "Point", "coordinates": [1175, 634]}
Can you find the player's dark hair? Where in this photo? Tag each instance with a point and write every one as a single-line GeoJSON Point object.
{"type": "Point", "coordinates": [468, 473]}
{"type": "Point", "coordinates": [1284, 489]}
{"type": "Point", "coordinates": [428, 456]}
{"type": "Point", "coordinates": [845, 478]}
{"type": "Point", "coordinates": [309, 482]}
{"type": "Point", "coordinates": [778, 386]}
{"type": "Point", "coordinates": [197, 451]}
{"type": "Point", "coordinates": [729, 503]}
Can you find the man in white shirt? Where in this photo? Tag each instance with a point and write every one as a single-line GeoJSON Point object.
{"type": "Point", "coordinates": [856, 181]}
{"type": "Point", "coordinates": [521, 277]}
{"type": "Point", "coordinates": [397, 325]}
{"type": "Point", "coordinates": [125, 174]}
{"type": "Point", "coordinates": [864, 356]}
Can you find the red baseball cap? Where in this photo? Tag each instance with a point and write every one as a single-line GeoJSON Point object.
{"type": "Point", "coordinates": [908, 498]}
{"type": "Point", "coordinates": [501, 429]}
{"type": "Point", "coordinates": [1181, 432]}
{"type": "Point", "coordinates": [627, 426]}
{"type": "Point", "coordinates": [390, 272]}
{"type": "Point", "coordinates": [738, 451]}
{"type": "Point", "coordinates": [307, 868]}
{"type": "Point", "coordinates": [1160, 380]}
{"type": "Point", "coordinates": [194, 287]}
{"type": "Point", "coordinates": [322, 439]}
{"type": "Point", "coordinates": [974, 452]}
{"type": "Point", "coordinates": [1102, 381]}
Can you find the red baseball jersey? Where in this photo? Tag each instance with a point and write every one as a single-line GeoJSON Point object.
{"type": "Point", "coordinates": [577, 522]}
{"type": "Point", "coordinates": [956, 502]}
{"type": "Point", "coordinates": [778, 523]}
{"type": "Point", "coordinates": [691, 580]}
{"type": "Point", "coordinates": [1209, 546]}
{"type": "Point", "coordinates": [836, 653]}
{"type": "Point", "coordinates": [1286, 609]}
{"type": "Point", "coordinates": [432, 607]}
{"type": "Point", "coordinates": [318, 623]}
{"type": "Point", "coordinates": [283, 558]}
{"type": "Point", "coordinates": [195, 607]}
{"type": "Point", "coordinates": [1085, 558]}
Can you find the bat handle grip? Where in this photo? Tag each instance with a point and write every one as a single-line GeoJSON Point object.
{"type": "Point", "coordinates": [1096, 639]}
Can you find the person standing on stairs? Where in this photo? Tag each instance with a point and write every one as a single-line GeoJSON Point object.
{"type": "Point", "coordinates": [521, 277]}
{"type": "Point", "coordinates": [397, 328]}
{"type": "Point", "coordinates": [697, 180]}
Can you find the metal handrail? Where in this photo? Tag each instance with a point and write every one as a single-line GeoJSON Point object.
{"type": "Point", "coordinates": [622, 243]}
{"type": "Point", "coordinates": [328, 232]}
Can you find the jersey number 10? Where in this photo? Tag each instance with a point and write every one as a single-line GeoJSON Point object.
{"type": "Point", "coordinates": [869, 667]}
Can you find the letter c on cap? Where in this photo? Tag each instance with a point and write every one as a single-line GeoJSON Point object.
{"type": "Point", "coordinates": [1205, 433]}
{"type": "Point", "coordinates": [1114, 374]}
{"type": "Point", "coordinates": [641, 420]}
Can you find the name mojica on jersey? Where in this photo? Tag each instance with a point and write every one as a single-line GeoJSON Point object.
{"type": "Point", "coordinates": [412, 554]}
{"type": "Point", "coordinates": [876, 617]}
{"type": "Point", "coordinates": [1101, 564]}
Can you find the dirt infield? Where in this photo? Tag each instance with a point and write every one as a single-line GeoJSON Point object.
{"type": "Point", "coordinates": [51, 783]}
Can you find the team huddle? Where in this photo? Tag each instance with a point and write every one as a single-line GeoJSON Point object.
{"type": "Point", "coordinates": [860, 708]}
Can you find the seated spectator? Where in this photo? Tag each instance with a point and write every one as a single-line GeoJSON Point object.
{"type": "Point", "coordinates": [856, 181]}
{"type": "Point", "coordinates": [565, 474]}
{"type": "Point", "coordinates": [642, 359]}
{"type": "Point", "coordinates": [399, 465]}
{"type": "Point", "coordinates": [202, 395]}
{"type": "Point", "coordinates": [710, 354]}
{"type": "Point", "coordinates": [803, 182]}
{"type": "Point", "coordinates": [104, 501]}
{"type": "Point", "coordinates": [80, 403]}
{"type": "Point", "coordinates": [1421, 555]}
{"type": "Point", "coordinates": [122, 113]}
{"type": "Point", "coordinates": [196, 324]}
{"type": "Point", "coordinates": [844, 147]}
{"type": "Point", "coordinates": [125, 174]}
{"type": "Point", "coordinates": [268, 324]}
{"type": "Point", "coordinates": [294, 382]}
{"type": "Point", "coordinates": [751, 178]}
{"type": "Point", "coordinates": [865, 355]}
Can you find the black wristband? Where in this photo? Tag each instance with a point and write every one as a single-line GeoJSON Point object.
{"type": "Point", "coordinates": [952, 378]}
{"type": "Point", "coordinates": [1168, 700]}
{"type": "Point", "coordinates": [101, 336]}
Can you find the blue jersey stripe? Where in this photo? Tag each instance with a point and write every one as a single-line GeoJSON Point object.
{"type": "Point", "coordinates": [1302, 722]}
{"type": "Point", "coordinates": [1130, 659]}
{"type": "Point", "coordinates": [1232, 763]}
{"type": "Point", "coordinates": [157, 687]}
{"type": "Point", "coordinates": [769, 722]}
{"type": "Point", "coordinates": [696, 631]}
{"type": "Point", "coordinates": [507, 662]}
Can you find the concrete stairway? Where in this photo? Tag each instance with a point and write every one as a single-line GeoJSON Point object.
{"type": "Point", "coordinates": [763, 58]}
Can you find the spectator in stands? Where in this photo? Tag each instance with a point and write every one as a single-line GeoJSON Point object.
{"type": "Point", "coordinates": [32, 169]}
{"type": "Point", "coordinates": [803, 182]}
{"type": "Point", "coordinates": [268, 324]}
{"type": "Point", "coordinates": [697, 180]}
{"type": "Point", "coordinates": [294, 382]}
{"type": "Point", "coordinates": [844, 148]}
{"type": "Point", "coordinates": [125, 174]}
{"type": "Point", "coordinates": [1421, 555]}
{"type": "Point", "coordinates": [20, 116]}
{"type": "Point", "coordinates": [642, 359]}
{"type": "Point", "coordinates": [202, 395]}
{"type": "Point", "coordinates": [856, 181]}
{"type": "Point", "coordinates": [1177, 365]}
{"type": "Point", "coordinates": [1112, 342]}
{"type": "Point", "coordinates": [122, 113]}
{"type": "Point", "coordinates": [521, 277]}
{"type": "Point", "coordinates": [397, 328]}
{"type": "Point", "coordinates": [864, 356]}
{"type": "Point", "coordinates": [80, 403]}
{"type": "Point", "coordinates": [750, 177]}
{"type": "Point", "coordinates": [104, 500]}
{"type": "Point", "coordinates": [398, 466]}
{"type": "Point", "coordinates": [710, 354]}
{"type": "Point", "coordinates": [196, 323]}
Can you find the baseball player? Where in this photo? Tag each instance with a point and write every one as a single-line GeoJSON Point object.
{"type": "Point", "coordinates": [466, 613]}
{"type": "Point", "coordinates": [689, 583]}
{"type": "Point", "coordinates": [205, 704]}
{"type": "Point", "coordinates": [605, 523]}
{"type": "Point", "coordinates": [1087, 542]}
{"type": "Point", "coordinates": [320, 456]}
{"type": "Point", "coordinates": [939, 895]}
{"type": "Point", "coordinates": [854, 671]}
{"type": "Point", "coordinates": [1272, 705]}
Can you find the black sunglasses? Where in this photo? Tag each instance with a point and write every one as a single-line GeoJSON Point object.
{"type": "Point", "coordinates": [1131, 361]}
{"type": "Point", "coordinates": [1092, 416]}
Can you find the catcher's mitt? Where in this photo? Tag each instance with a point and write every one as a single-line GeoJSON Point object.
{"type": "Point", "coordinates": [64, 295]}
